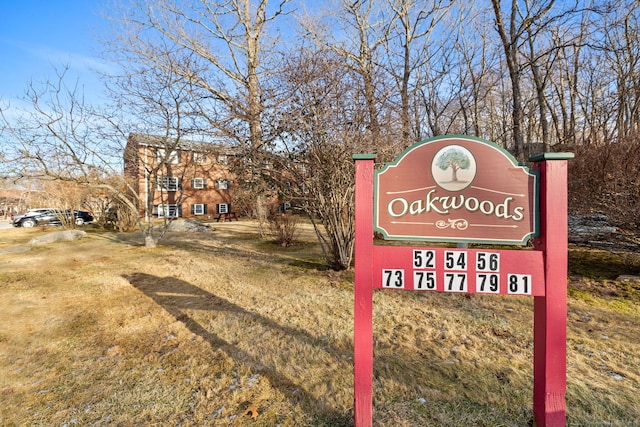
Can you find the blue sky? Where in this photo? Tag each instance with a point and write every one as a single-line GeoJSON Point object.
{"type": "Point", "coordinates": [38, 35]}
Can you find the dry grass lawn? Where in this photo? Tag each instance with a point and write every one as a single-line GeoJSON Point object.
{"type": "Point", "coordinates": [227, 329]}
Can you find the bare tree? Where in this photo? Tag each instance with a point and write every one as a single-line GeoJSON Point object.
{"type": "Point", "coordinates": [621, 47]}
{"type": "Point", "coordinates": [324, 119]}
{"type": "Point", "coordinates": [564, 100]}
{"type": "Point", "coordinates": [61, 138]}
{"type": "Point", "coordinates": [221, 47]}
{"type": "Point", "coordinates": [474, 66]}
{"type": "Point", "coordinates": [513, 26]}
{"type": "Point", "coordinates": [358, 32]}
{"type": "Point", "coordinates": [407, 48]}
{"type": "Point", "coordinates": [160, 103]}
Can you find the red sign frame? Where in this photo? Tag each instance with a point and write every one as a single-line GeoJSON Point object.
{"type": "Point", "coordinates": [446, 269]}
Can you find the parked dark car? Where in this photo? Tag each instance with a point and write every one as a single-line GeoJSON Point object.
{"type": "Point", "coordinates": [51, 217]}
{"type": "Point", "coordinates": [38, 217]}
{"type": "Point", "coordinates": [30, 212]}
{"type": "Point", "coordinates": [80, 217]}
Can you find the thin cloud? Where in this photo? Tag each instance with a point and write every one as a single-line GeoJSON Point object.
{"type": "Point", "coordinates": [52, 56]}
{"type": "Point", "coordinates": [75, 61]}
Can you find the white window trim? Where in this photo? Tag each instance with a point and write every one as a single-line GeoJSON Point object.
{"type": "Point", "coordinates": [222, 184]}
{"type": "Point", "coordinates": [198, 183]}
{"type": "Point", "coordinates": [168, 183]}
{"type": "Point", "coordinates": [170, 209]}
{"type": "Point", "coordinates": [198, 157]}
{"type": "Point", "coordinates": [222, 208]}
{"type": "Point", "coordinates": [198, 209]}
{"type": "Point", "coordinates": [173, 157]}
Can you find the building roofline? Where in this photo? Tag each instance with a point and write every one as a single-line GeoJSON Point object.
{"type": "Point", "coordinates": [184, 144]}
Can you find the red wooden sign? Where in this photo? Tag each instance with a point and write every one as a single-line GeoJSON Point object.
{"type": "Point", "coordinates": [540, 273]}
{"type": "Point", "coordinates": [456, 188]}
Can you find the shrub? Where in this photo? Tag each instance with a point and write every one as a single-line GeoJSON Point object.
{"type": "Point", "coordinates": [605, 178]}
{"type": "Point", "coordinates": [283, 227]}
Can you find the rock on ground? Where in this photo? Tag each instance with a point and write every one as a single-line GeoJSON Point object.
{"type": "Point", "coordinates": [584, 228]}
{"type": "Point", "coordinates": [596, 231]}
{"type": "Point", "coordinates": [187, 225]}
{"type": "Point", "coordinates": [58, 236]}
{"type": "Point", "coordinates": [628, 278]}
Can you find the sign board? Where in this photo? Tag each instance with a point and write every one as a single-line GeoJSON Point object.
{"type": "Point", "coordinates": [474, 271]}
{"type": "Point", "coordinates": [456, 188]}
{"type": "Point", "coordinates": [463, 189]}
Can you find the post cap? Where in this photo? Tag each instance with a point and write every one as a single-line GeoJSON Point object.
{"type": "Point", "coordinates": [364, 156]}
{"type": "Point", "coordinates": [551, 156]}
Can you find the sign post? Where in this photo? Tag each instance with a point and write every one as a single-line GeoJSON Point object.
{"type": "Point", "coordinates": [550, 310]}
{"type": "Point", "coordinates": [462, 190]}
{"type": "Point", "coordinates": [363, 292]}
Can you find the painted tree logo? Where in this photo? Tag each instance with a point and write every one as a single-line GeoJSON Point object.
{"type": "Point", "coordinates": [453, 167]}
{"type": "Point", "coordinates": [455, 159]}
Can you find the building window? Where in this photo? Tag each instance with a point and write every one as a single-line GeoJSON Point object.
{"type": "Point", "coordinates": [161, 156]}
{"type": "Point", "coordinates": [167, 211]}
{"type": "Point", "coordinates": [199, 209]}
{"type": "Point", "coordinates": [285, 207]}
{"type": "Point", "coordinates": [168, 183]}
{"type": "Point", "coordinates": [198, 183]}
{"type": "Point", "coordinates": [223, 184]}
{"type": "Point", "coordinates": [304, 187]}
{"type": "Point", "coordinates": [198, 157]}
{"type": "Point", "coordinates": [222, 159]}
{"type": "Point", "coordinates": [223, 208]}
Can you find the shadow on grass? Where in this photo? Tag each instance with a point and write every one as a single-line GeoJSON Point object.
{"type": "Point", "coordinates": [268, 252]}
{"type": "Point", "coordinates": [177, 296]}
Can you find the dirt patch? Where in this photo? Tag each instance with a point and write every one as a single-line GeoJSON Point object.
{"type": "Point", "coordinates": [15, 249]}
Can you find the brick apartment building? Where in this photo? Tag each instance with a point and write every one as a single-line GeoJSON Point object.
{"type": "Point", "coordinates": [187, 179]}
